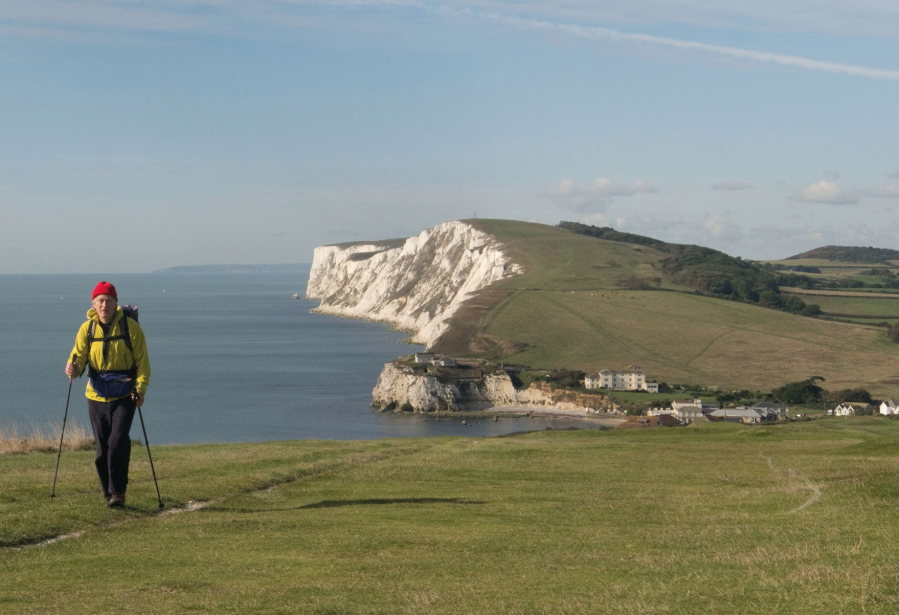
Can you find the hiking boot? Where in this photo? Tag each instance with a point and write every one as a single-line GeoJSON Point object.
{"type": "Point", "coordinates": [116, 500]}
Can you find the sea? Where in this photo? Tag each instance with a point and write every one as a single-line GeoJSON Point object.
{"type": "Point", "coordinates": [234, 359]}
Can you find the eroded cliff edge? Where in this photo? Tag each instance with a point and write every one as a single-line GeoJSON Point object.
{"type": "Point", "coordinates": [415, 284]}
{"type": "Point", "coordinates": [401, 388]}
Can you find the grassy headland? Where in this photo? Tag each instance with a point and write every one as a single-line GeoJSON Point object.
{"type": "Point", "coordinates": [574, 307]}
{"type": "Point", "coordinates": [714, 518]}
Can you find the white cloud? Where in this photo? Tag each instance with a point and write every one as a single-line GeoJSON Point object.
{"type": "Point", "coordinates": [733, 184]}
{"type": "Point", "coordinates": [592, 198]}
{"type": "Point", "coordinates": [720, 228]}
{"type": "Point", "coordinates": [827, 192]}
{"type": "Point", "coordinates": [598, 33]}
{"type": "Point", "coordinates": [650, 223]}
{"type": "Point", "coordinates": [775, 241]}
{"type": "Point", "coordinates": [875, 18]}
{"type": "Point", "coordinates": [890, 192]}
{"type": "Point", "coordinates": [597, 220]}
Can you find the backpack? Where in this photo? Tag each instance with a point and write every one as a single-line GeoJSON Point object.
{"type": "Point", "coordinates": [110, 382]}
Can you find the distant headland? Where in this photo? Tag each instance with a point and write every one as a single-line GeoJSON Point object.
{"type": "Point", "coordinates": [278, 268]}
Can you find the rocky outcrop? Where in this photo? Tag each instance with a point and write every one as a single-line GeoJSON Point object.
{"type": "Point", "coordinates": [400, 388]}
{"type": "Point", "coordinates": [415, 284]}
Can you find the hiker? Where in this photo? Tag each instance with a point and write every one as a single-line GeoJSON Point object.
{"type": "Point", "coordinates": [112, 347]}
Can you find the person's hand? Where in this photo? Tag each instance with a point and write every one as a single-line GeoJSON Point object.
{"type": "Point", "coordinates": [138, 398]}
{"type": "Point", "coordinates": [71, 370]}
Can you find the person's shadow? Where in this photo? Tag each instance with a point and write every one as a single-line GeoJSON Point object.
{"type": "Point", "coordinates": [343, 503]}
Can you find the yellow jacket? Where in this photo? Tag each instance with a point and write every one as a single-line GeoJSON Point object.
{"type": "Point", "coordinates": [118, 356]}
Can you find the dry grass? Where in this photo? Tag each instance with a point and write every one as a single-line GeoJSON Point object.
{"type": "Point", "coordinates": [44, 439]}
{"type": "Point", "coordinates": [701, 519]}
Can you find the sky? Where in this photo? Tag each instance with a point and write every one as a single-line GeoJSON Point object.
{"type": "Point", "coordinates": [138, 135]}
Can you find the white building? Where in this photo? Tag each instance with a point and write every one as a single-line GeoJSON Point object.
{"type": "Point", "coordinates": [695, 403]}
{"type": "Point", "coordinates": [424, 357]}
{"type": "Point", "coordinates": [631, 380]}
{"type": "Point", "coordinates": [852, 408]}
{"type": "Point", "coordinates": [889, 407]}
{"type": "Point", "coordinates": [686, 414]}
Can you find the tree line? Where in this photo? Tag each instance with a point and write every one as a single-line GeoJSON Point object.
{"type": "Point", "coordinates": [713, 272]}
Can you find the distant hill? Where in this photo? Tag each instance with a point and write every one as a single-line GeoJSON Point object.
{"type": "Point", "coordinates": [707, 270]}
{"type": "Point", "coordinates": [302, 268]}
{"type": "Point", "coordinates": [851, 254]}
{"type": "Point", "coordinates": [606, 299]}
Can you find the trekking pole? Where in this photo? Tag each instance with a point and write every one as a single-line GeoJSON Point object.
{"type": "Point", "coordinates": [62, 435]}
{"type": "Point", "coordinates": [152, 469]}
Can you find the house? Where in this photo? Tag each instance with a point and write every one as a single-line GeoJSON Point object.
{"type": "Point", "coordinates": [643, 422]}
{"type": "Point", "coordinates": [443, 361]}
{"type": "Point", "coordinates": [424, 357]}
{"type": "Point", "coordinates": [772, 410]}
{"type": "Point", "coordinates": [688, 411]}
{"type": "Point", "coordinates": [852, 408]}
{"type": "Point", "coordinates": [628, 380]}
{"type": "Point", "coordinates": [889, 407]}
{"type": "Point", "coordinates": [708, 406]}
{"type": "Point", "coordinates": [740, 415]}
{"type": "Point", "coordinates": [686, 414]}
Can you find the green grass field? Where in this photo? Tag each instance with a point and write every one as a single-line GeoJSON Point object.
{"type": "Point", "coordinates": [720, 518]}
{"type": "Point", "coordinates": [857, 305]}
{"type": "Point", "coordinates": [570, 310]}
{"type": "Point", "coordinates": [556, 259]}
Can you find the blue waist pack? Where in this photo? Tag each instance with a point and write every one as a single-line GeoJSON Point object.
{"type": "Point", "coordinates": [111, 384]}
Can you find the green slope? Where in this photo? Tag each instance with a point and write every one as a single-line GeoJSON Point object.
{"type": "Point", "coordinates": [719, 518]}
{"type": "Point", "coordinates": [569, 310]}
{"type": "Point", "coordinates": [850, 254]}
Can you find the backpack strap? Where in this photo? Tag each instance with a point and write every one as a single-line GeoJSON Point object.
{"type": "Point", "coordinates": [125, 336]}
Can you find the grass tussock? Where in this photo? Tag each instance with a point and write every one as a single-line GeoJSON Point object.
{"type": "Point", "coordinates": [44, 439]}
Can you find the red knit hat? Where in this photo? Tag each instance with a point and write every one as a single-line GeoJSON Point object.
{"type": "Point", "coordinates": [104, 288]}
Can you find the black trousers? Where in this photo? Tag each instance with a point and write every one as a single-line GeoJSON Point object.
{"type": "Point", "coordinates": [111, 422]}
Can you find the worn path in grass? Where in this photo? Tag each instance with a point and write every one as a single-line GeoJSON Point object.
{"type": "Point", "coordinates": [718, 518]}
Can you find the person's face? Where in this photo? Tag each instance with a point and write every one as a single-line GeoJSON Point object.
{"type": "Point", "coordinates": [105, 306]}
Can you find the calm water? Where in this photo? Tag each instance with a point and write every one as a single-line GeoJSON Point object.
{"type": "Point", "coordinates": [234, 359]}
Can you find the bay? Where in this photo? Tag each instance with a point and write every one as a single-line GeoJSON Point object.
{"type": "Point", "coordinates": [234, 359]}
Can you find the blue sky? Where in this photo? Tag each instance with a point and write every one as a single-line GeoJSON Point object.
{"type": "Point", "coordinates": [139, 135]}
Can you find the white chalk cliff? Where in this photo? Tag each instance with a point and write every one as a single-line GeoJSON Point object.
{"type": "Point", "coordinates": [416, 284]}
{"type": "Point", "coordinates": [400, 388]}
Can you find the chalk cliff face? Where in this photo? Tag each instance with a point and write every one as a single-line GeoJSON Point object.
{"type": "Point", "coordinates": [416, 284]}
{"type": "Point", "coordinates": [400, 388]}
